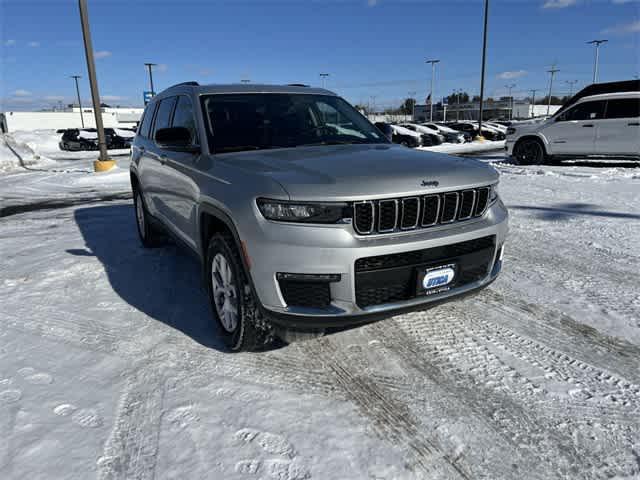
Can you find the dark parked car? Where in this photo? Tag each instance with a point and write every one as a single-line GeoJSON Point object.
{"type": "Point", "coordinates": [472, 129]}
{"type": "Point", "coordinates": [79, 139]}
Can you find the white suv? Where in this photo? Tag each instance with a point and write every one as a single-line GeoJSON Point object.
{"type": "Point", "coordinates": [605, 125]}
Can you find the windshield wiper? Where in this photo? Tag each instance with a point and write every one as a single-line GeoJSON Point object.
{"type": "Point", "coordinates": [332, 142]}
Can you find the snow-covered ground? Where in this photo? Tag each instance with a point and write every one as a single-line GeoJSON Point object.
{"type": "Point", "coordinates": [110, 366]}
{"type": "Point", "coordinates": [465, 148]}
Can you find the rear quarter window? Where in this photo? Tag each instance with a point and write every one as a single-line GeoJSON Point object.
{"type": "Point", "coordinates": [623, 108]}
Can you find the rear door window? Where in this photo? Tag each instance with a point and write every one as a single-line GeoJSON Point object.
{"type": "Point", "coordinates": [145, 126]}
{"type": "Point", "coordinates": [623, 108]}
{"type": "Point", "coordinates": [163, 117]}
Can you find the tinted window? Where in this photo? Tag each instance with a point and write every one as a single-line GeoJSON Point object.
{"type": "Point", "coordinates": [623, 108]}
{"type": "Point", "coordinates": [237, 122]}
{"type": "Point", "coordinates": [145, 126]}
{"type": "Point", "coordinates": [585, 111]}
{"type": "Point", "coordinates": [163, 117]}
{"type": "Point", "coordinates": [183, 117]}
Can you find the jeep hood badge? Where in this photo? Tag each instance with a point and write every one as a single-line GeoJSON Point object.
{"type": "Point", "coordinates": [432, 183]}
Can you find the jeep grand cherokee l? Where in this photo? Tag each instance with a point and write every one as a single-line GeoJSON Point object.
{"type": "Point", "coordinates": [303, 214]}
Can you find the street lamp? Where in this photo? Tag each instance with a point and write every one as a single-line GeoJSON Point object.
{"type": "Point", "coordinates": [597, 44]}
{"type": "Point", "coordinates": [433, 74]}
{"type": "Point", "coordinates": [510, 87]}
{"type": "Point", "coordinates": [76, 77]}
{"type": "Point", "coordinates": [149, 66]}
{"type": "Point", "coordinates": [103, 163]}
{"type": "Point", "coordinates": [484, 62]}
{"type": "Point", "coordinates": [323, 76]}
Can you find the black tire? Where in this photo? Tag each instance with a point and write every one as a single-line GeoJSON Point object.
{"type": "Point", "coordinates": [251, 331]}
{"type": "Point", "coordinates": [529, 151]}
{"type": "Point", "coordinates": [149, 236]}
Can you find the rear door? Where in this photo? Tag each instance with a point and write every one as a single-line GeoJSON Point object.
{"type": "Point", "coordinates": [574, 131]}
{"type": "Point", "coordinates": [157, 157]}
{"type": "Point", "coordinates": [619, 132]}
{"type": "Point", "coordinates": [141, 155]}
{"type": "Point", "coordinates": [179, 192]}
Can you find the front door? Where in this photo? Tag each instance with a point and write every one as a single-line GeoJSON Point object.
{"type": "Point", "coordinates": [574, 131]}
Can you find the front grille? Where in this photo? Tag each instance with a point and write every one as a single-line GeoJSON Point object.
{"type": "Point", "coordinates": [401, 214]}
{"type": "Point", "coordinates": [305, 293]}
{"type": "Point", "coordinates": [393, 278]}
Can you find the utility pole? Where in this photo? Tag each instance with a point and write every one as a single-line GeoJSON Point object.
{"type": "Point", "coordinates": [149, 65]}
{"type": "Point", "coordinates": [571, 84]}
{"type": "Point", "coordinates": [324, 76]}
{"type": "Point", "coordinates": [533, 102]}
{"type": "Point", "coordinates": [484, 61]}
{"type": "Point", "coordinates": [373, 108]}
{"type": "Point", "coordinates": [76, 77]}
{"type": "Point", "coordinates": [510, 87]}
{"type": "Point", "coordinates": [458, 92]}
{"type": "Point", "coordinates": [553, 71]}
{"type": "Point", "coordinates": [597, 44]}
{"type": "Point", "coordinates": [433, 73]}
{"type": "Point", "coordinates": [95, 95]}
{"type": "Point", "coordinates": [412, 96]}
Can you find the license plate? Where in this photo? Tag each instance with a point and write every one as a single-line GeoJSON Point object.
{"type": "Point", "coordinates": [438, 279]}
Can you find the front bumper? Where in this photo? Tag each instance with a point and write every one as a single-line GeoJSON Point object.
{"type": "Point", "coordinates": [333, 250]}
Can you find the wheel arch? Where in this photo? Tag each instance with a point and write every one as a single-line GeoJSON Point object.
{"type": "Point", "coordinates": [536, 138]}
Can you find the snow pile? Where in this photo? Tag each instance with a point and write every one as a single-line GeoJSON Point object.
{"type": "Point", "coordinates": [465, 148]}
{"type": "Point", "coordinates": [17, 155]}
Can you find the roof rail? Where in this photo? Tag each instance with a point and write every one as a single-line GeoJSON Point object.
{"type": "Point", "coordinates": [192, 83]}
{"type": "Point", "coordinates": [297, 85]}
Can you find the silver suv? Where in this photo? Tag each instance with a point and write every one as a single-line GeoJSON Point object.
{"type": "Point", "coordinates": [302, 213]}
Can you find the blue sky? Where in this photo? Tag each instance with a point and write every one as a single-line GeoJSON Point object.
{"type": "Point", "coordinates": [370, 48]}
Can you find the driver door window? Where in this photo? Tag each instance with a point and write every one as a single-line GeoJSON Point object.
{"type": "Point", "coordinates": [584, 111]}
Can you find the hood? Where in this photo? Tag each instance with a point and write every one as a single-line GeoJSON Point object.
{"type": "Point", "coordinates": [357, 172]}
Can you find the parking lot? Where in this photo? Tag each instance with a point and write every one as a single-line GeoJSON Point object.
{"type": "Point", "coordinates": [110, 365]}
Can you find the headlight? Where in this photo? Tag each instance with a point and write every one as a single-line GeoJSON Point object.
{"type": "Point", "coordinates": [304, 212]}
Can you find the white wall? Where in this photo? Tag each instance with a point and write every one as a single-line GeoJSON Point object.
{"type": "Point", "coordinates": [56, 120]}
{"type": "Point", "coordinates": [524, 110]}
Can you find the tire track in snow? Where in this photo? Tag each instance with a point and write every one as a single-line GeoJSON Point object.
{"type": "Point", "coordinates": [391, 419]}
{"type": "Point", "coordinates": [132, 447]}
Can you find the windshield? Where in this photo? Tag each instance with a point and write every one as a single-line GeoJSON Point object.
{"type": "Point", "coordinates": [257, 121]}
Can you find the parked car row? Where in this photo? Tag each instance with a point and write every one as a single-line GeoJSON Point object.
{"type": "Point", "coordinates": [79, 139]}
{"type": "Point", "coordinates": [421, 134]}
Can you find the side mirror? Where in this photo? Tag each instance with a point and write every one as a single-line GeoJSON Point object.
{"type": "Point", "coordinates": [176, 138]}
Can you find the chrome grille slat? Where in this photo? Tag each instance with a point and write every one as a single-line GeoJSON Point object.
{"type": "Point", "coordinates": [397, 214]}
{"type": "Point", "coordinates": [406, 223]}
{"type": "Point", "coordinates": [385, 225]}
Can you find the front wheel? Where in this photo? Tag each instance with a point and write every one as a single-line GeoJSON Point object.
{"type": "Point", "coordinates": [529, 152]}
{"type": "Point", "coordinates": [242, 326]}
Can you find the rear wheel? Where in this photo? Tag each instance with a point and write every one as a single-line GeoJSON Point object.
{"type": "Point", "coordinates": [529, 152]}
{"type": "Point", "coordinates": [149, 236]}
{"type": "Point", "coordinates": [242, 326]}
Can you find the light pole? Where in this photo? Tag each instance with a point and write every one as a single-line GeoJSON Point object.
{"type": "Point", "coordinates": [76, 77]}
{"type": "Point", "coordinates": [533, 102]}
{"type": "Point", "coordinates": [553, 71]}
{"type": "Point", "coordinates": [149, 66]}
{"type": "Point", "coordinates": [324, 76]}
{"type": "Point", "coordinates": [510, 87]}
{"type": "Point", "coordinates": [571, 84]}
{"type": "Point", "coordinates": [597, 44]}
{"type": "Point", "coordinates": [433, 74]}
{"type": "Point", "coordinates": [95, 95]}
{"type": "Point", "coordinates": [373, 108]}
{"type": "Point", "coordinates": [412, 96]}
{"type": "Point", "coordinates": [484, 62]}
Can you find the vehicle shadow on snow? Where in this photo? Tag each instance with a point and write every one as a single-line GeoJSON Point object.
{"type": "Point", "coordinates": [164, 283]}
{"type": "Point", "coordinates": [566, 211]}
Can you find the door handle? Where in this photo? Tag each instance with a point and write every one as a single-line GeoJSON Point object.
{"type": "Point", "coordinates": [634, 124]}
{"type": "Point", "coordinates": [588, 125]}
{"type": "Point", "coordinates": [142, 149]}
